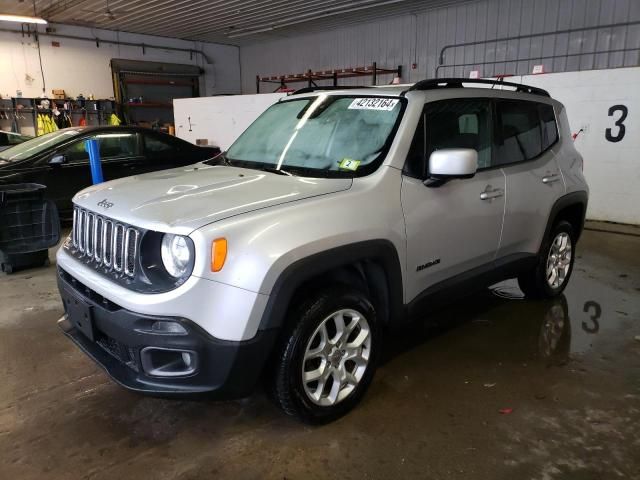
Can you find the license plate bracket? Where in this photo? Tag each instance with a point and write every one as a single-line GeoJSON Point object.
{"type": "Point", "coordinates": [80, 315]}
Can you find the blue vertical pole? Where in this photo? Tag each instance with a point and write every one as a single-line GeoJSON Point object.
{"type": "Point", "coordinates": [93, 147]}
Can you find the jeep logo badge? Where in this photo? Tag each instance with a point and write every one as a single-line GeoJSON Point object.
{"type": "Point", "coordinates": [106, 204]}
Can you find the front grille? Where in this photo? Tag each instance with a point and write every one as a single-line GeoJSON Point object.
{"type": "Point", "coordinates": [105, 242]}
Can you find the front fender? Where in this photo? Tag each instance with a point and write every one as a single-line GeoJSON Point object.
{"type": "Point", "coordinates": [300, 272]}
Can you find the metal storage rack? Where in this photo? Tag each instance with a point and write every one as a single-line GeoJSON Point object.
{"type": "Point", "coordinates": [24, 111]}
{"type": "Point", "coordinates": [146, 90]}
{"type": "Point", "coordinates": [334, 75]}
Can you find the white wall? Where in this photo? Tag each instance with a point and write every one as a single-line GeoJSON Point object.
{"type": "Point", "coordinates": [82, 67]}
{"type": "Point", "coordinates": [612, 169]}
{"type": "Point", "coordinates": [220, 120]}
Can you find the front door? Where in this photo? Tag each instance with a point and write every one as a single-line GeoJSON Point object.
{"type": "Point", "coordinates": [64, 180]}
{"type": "Point", "coordinates": [118, 154]}
{"type": "Point", "coordinates": [455, 227]}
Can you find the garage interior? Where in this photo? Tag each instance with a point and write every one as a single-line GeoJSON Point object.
{"type": "Point", "coordinates": [491, 386]}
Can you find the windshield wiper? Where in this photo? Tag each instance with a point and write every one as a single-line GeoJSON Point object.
{"type": "Point", "coordinates": [278, 171]}
{"type": "Point", "coordinates": [219, 159]}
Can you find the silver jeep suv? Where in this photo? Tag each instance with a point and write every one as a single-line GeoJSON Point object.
{"type": "Point", "coordinates": [337, 214]}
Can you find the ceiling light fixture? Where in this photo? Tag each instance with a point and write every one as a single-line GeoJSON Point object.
{"type": "Point", "coordinates": [22, 19]}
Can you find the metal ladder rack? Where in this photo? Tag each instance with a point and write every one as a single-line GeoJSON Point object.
{"type": "Point", "coordinates": [334, 75]}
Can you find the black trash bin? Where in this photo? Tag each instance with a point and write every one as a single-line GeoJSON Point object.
{"type": "Point", "coordinates": [29, 226]}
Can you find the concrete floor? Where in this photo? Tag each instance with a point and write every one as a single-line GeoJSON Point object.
{"type": "Point", "coordinates": [569, 369]}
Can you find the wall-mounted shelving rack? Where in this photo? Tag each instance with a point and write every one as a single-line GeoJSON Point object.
{"type": "Point", "coordinates": [21, 113]}
{"type": "Point", "coordinates": [311, 77]}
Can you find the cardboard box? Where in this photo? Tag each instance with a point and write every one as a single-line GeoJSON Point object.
{"type": "Point", "coordinates": [58, 94]}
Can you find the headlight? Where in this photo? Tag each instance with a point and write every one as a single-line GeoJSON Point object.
{"type": "Point", "coordinates": [176, 255]}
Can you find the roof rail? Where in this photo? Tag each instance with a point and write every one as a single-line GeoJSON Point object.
{"type": "Point", "coordinates": [325, 87]}
{"type": "Point", "coordinates": [434, 83]}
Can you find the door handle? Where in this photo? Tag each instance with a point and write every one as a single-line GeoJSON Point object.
{"type": "Point", "coordinates": [489, 194]}
{"type": "Point", "coordinates": [550, 178]}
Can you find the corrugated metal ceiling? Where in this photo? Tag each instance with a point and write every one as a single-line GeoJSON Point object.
{"type": "Point", "coordinates": [237, 22]}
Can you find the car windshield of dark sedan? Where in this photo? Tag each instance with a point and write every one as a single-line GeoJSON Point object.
{"type": "Point", "coordinates": [327, 133]}
{"type": "Point", "coordinates": [36, 145]}
{"type": "Point", "coordinates": [13, 138]}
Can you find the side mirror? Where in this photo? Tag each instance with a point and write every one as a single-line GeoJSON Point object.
{"type": "Point", "coordinates": [58, 160]}
{"type": "Point", "coordinates": [450, 163]}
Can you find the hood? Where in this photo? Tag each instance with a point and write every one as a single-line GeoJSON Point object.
{"type": "Point", "coordinates": [181, 200]}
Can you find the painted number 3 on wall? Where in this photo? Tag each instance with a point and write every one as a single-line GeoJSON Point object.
{"type": "Point", "coordinates": [624, 111]}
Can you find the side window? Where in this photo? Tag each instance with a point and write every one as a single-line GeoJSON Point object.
{"type": "Point", "coordinates": [520, 136]}
{"type": "Point", "coordinates": [468, 123]}
{"type": "Point", "coordinates": [75, 153]}
{"type": "Point", "coordinates": [13, 139]}
{"type": "Point", "coordinates": [118, 145]}
{"type": "Point", "coordinates": [549, 126]}
{"type": "Point", "coordinates": [460, 123]}
{"type": "Point", "coordinates": [112, 145]}
{"type": "Point", "coordinates": [153, 144]}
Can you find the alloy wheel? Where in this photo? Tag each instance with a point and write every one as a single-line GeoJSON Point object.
{"type": "Point", "coordinates": [559, 260]}
{"type": "Point", "coordinates": [336, 357]}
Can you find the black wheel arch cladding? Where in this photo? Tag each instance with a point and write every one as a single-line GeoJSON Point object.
{"type": "Point", "coordinates": [375, 262]}
{"type": "Point", "coordinates": [571, 207]}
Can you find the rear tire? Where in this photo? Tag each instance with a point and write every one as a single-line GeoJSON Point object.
{"type": "Point", "coordinates": [554, 264]}
{"type": "Point", "coordinates": [327, 357]}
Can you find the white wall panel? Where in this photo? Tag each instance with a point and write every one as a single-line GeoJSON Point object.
{"type": "Point", "coordinates": [219, 120]}
{"type": "Point", "coordinates": [612, 168]}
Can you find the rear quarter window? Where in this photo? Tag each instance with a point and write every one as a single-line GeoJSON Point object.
{"type": "Point", "coordinates": [153, 144]}
{"type": "Point", "coordinates": [549, 126]}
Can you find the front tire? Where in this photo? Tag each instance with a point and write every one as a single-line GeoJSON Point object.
{"type": "Point", "coordinates": [328, 355]}
{"type": "Point", "coordinates": [554, 265]}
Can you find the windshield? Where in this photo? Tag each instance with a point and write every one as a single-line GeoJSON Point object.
{"type": "Point", "coordinates": [318, 135]}
{"type": "Point", "coordinates": [14, 138]}
{"type": "Point", "coordinates": [32, 147]}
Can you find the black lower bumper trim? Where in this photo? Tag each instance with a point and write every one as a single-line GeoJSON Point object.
{"type": "Point", "coordinates": [116, 336]}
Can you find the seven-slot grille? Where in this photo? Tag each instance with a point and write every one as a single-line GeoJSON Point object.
{"type": "Point", "coordinates": [105, 242]}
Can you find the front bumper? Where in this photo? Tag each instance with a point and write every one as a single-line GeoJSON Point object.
{"type": "Point", "coordinates": [116, 338]}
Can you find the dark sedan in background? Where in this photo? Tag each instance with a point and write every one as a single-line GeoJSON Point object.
{"type": "Point", "coordinates": [59, 159]}
{"type": "Point", "coordinates": [9, 139]}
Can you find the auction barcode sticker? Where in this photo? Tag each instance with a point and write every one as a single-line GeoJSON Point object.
{"type": "Point", "coordinates": [385, 104]}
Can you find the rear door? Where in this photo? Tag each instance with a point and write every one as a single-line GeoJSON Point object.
{"type": "Point", "coordinates": [527, 133]}
{"type": "Point", "coordinates": [163, 151]}
{"type": "Point", "coordinates": [455, 227]}
{"type": "Point", "coordinates": [118, 154]}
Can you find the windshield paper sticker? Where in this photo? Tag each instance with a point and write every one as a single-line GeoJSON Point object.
{"type": "Point", "coordinates": [349, 164]}
{"type": "Point", "coordinates": [384, 104]}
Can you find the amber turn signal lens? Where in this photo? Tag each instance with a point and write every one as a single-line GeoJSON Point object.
{"type": "Point", "coordinates": [218, 254]}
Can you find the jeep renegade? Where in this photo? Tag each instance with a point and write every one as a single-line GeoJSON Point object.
{"type": "Point", "coordinates": [337, 214]}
